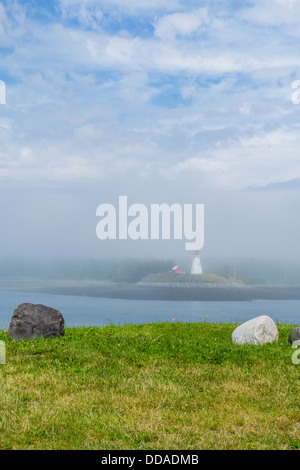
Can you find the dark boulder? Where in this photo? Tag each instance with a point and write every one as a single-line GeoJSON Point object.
{"type": "Point", "coordinates": [294, 335]}
{"type": "Point", "coordinates": [30, 321]}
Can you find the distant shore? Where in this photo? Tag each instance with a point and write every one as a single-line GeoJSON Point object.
{"type": "Point", "coordinates": [148, 292]}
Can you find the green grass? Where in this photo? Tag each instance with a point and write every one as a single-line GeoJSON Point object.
{"type": "Point", "coordinates": [155, 386]}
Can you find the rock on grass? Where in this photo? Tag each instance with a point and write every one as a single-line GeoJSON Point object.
{"type": "Point", "coordinates": [259, 330]}
{"type": "Point", "coordinates": [30, 321]}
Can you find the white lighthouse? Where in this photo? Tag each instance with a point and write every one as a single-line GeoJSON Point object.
{"type": "Point", "coordinates": [196, 264]}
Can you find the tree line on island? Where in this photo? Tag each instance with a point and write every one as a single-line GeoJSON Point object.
{"type": "Point", "coordinates": [134, 270]}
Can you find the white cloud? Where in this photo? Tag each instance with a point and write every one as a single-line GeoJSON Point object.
{"type": "Point", "coordinates": [12, 23]}
{"type": "Point", "coordinates": [182, 24]}
{"type": "Point", "coordinates": [87, 12]}
{"type": "Point", "coordinates": [103, 90]}
{"type": "Point", "coordinates": [255, 161]}
{"type": "Point", "coordinates": [273, 13]}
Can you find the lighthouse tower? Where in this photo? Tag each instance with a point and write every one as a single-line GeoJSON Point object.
{"type": "Point", "coordinates": [196, 264]}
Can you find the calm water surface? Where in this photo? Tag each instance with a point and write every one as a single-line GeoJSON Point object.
{"type": "Point", "coordinates": [93, 311]}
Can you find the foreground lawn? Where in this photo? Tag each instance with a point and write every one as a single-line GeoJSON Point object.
{"type": "Point", "coordinates": [157, 386]}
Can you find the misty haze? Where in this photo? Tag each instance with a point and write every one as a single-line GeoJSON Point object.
{"type": "Point", "coordinates": [141, 103]}
{"type": "Point", "coordinates": [149, 241]}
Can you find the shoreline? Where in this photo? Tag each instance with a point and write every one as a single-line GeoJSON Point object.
{"type": "Point", "coordinates": [148, 292]}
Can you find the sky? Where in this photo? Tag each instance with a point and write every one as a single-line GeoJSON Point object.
{"type": "Point", "coordinates": [165, 101]}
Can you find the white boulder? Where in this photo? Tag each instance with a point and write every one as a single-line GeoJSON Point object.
{"type": "Point", "coordinates": [259, 330]}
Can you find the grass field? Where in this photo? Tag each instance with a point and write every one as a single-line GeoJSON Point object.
{"type": "Point", "coordinates": [159, 386]}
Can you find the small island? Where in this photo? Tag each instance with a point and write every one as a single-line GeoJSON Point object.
{"type": "Point", "coordinates": [190, 280]}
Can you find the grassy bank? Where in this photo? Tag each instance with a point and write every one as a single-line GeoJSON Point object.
{"type": "Point", "coordinates": [186, 278]}
{"type": "Point", "coordinates": [158, 386]}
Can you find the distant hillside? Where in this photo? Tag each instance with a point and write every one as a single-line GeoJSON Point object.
{"type": "Point", "coordinates": [186, 278]}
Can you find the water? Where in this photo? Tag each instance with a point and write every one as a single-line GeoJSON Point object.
{"type": "Point", "coordinates": [93, 311]}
